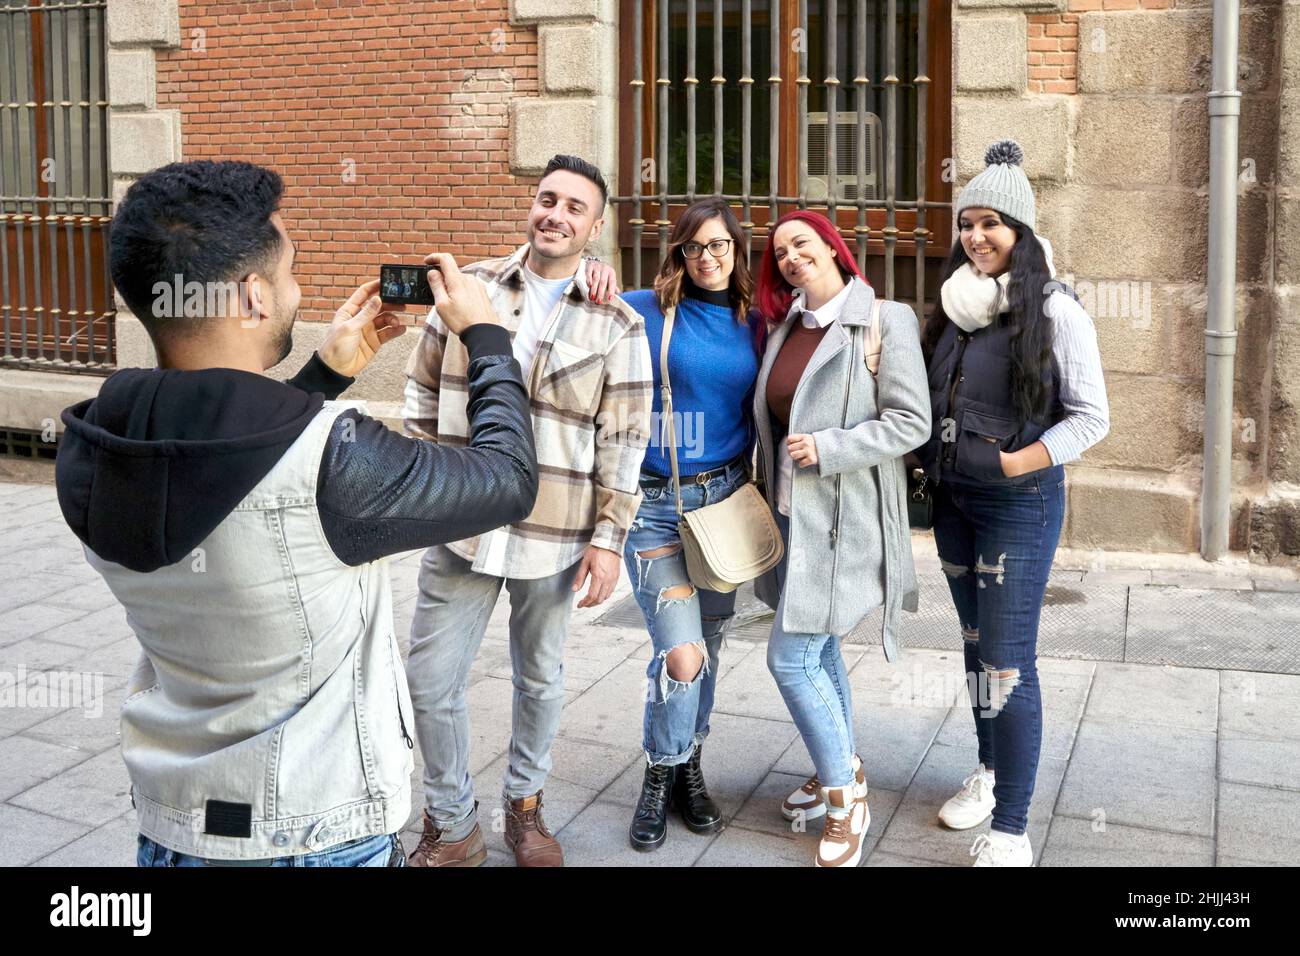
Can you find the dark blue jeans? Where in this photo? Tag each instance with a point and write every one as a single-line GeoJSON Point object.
{"type": "Point", "coordinates": [996, 544]}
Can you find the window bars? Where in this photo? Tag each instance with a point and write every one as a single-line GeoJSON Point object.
{"type": "Point", "coordinates": [842, 158]}
{"type": "Point", "coordinates": [56, 299]}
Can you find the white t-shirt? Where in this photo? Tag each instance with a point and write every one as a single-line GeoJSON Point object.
{"type": "Point", "coordinates": [541, 296]}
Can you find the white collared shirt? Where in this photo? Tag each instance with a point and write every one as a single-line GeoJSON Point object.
{"type": "Point", "coordinates": [828, 313]}
{"type": "Point", "coordinates": [811, 319]}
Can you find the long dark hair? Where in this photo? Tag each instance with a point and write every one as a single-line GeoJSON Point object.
{"type": "Point", "coordinates": [1031, 338]}
{"type": "Point", "coordinates": [672, 271]}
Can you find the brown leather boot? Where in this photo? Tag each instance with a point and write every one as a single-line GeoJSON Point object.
{"type": "Point", "coordinates": [433, 850]}
{"type": "Point", "coordinates": [527, 835]}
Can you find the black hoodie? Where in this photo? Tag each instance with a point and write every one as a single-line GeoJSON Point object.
{"type": "Point", "coordinates": [153, 464]}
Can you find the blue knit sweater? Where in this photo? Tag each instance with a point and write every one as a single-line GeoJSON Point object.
{"type": "Point", "coordinates": [713, 366]}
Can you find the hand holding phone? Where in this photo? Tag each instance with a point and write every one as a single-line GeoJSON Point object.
{"type": "Point", "coordinates": [360, 327]}
{"type": "Point", "coordinates": [461, 300]}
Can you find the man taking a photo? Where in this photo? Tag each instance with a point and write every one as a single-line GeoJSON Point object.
{"type": "Point", "coordinates": [243, 523]}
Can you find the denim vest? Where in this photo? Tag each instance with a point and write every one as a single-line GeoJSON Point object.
{"type": "Point", "coordinates": [268, 716]}
{"type": "Point", "coordinates": [973, 410]}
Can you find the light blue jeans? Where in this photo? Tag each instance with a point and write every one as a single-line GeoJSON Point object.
{"type": "Point", "coordinates": [451, 616]}
{"type": "Point", "coordinates": [677, 712]}
{"type": "Point", "coordinates": [382, 850]}
{"type": "Point", "coordinates": [810, 672]}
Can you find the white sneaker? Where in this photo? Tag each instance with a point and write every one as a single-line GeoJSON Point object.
{"type": "Point", "coordinates": [973, 803]}
{"type": "Point", "coordinates": [806, 802]}
{"type": "Point", "coordinates": [1002, 849]}
{"type": "Point", "coordinates": [842, 834]}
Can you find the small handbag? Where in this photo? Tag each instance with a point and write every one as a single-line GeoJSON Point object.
{"type": "Point", "coordinates": [920, 500]}
{"type": "Point", "coordinates": [732, 541]}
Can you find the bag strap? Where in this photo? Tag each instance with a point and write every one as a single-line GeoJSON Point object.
{"type": "Point", "coordinates": [871, 347]}
{"type": "Point", "coordinates": [666, 406]}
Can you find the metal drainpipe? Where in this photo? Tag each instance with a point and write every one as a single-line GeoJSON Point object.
{"type": "Point", "coordinates": [1224, 106]}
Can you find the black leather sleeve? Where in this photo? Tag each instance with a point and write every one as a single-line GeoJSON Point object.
{"type": "Point", "coordinates": [380, 493]}
{"type": "Point", "coordinates": [316, 376]}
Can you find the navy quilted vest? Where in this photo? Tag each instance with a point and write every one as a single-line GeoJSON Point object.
{"type": "Point", "coordinates": [975, 415]}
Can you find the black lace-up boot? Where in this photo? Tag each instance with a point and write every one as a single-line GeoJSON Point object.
{"type": "Point", "coordinates": [650, 819]}
{"type": "Point", "coordinates": [691, 797]}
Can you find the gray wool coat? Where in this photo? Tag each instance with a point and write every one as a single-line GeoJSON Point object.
{"type": "Point", "coordinates": [831, 583]}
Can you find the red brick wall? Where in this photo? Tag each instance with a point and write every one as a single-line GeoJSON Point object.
{"type": "Point", "coordinates": [1054, 42]}
{"type": "Point", "coordinates": [1053, 51]}
{"type": "Point", "coordinates": [414, 93]}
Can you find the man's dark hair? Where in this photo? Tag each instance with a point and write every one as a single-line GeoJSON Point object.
{"type": "Point", "coordinates": [205, 221]}
{"type": "Point", "coordinates": [576, 164]}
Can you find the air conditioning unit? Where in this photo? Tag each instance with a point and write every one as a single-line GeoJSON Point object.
{"type": "Point", "coordinates": [846, 190]}
{"type": "Point", "coordinates": [847, 179]}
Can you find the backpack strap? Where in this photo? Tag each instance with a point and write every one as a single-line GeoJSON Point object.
{"type": "Point", "coordinates": [871, 340]}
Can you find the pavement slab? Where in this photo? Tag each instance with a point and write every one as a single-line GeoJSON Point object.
{"type": "Point", "coordinates": [1171, 721]}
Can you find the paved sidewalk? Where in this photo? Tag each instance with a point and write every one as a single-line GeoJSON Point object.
{"type": "Point", "coordinates": [1141, 763]}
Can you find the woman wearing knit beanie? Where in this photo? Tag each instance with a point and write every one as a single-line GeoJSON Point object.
{"type": "Point", "coordinates": [1016, 391]}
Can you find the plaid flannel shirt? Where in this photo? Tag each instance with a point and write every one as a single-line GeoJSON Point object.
{"type": "Point", "coordinates": [590, 389]}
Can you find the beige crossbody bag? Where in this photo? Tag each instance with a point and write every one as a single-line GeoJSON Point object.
{"type": "Point", "coordinates": [732, 541]}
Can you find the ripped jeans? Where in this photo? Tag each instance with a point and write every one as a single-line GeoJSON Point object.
{"type": "Point", "coordinates": [996, 544]}
{"type": "Point", "coordinates": [677, 711]}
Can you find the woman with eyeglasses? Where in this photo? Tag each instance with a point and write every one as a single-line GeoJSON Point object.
{"type": "Point", "coordinates": [712, 364]}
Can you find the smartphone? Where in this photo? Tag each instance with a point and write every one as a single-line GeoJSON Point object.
{"type": "Point", "coordinates": [408, 285]}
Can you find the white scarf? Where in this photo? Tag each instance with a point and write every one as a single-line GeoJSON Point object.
{"type": "Point", "coordinates": [969, 296]}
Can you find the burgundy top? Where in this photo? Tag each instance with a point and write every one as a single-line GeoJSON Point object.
{"type": "Point", "coordinates": [789, 366]}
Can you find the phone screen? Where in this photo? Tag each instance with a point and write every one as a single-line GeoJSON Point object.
{"type": "Point", "coordinates": [405, 284]}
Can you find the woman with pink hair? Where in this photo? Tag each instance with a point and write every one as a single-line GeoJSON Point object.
{"type": "Point", "coordinates": [841, 397]}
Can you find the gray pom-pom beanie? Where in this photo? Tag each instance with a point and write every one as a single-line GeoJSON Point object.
{"type": "Point", "coordinates": [1002, 185]}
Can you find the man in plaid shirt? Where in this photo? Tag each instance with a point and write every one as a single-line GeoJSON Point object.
{"type": "Point", "coordinates": [587, 367]}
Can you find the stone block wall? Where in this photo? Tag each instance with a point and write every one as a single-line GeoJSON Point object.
{"type": "Point", "coordinates": [1108, 98]}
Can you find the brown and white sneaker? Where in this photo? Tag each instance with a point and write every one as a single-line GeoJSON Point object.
{"type": "Point", "coordinates": [842, 833]}
{"type": "Point", "coordinates": [527, 835]}
{"type": "Point", "coordinates": [433, 850]}
{"type": "Point", "coordinates": [806, 802]}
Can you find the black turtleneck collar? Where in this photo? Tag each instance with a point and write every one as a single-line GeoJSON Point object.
{"type": "Point", "coordinates": [721, 297]}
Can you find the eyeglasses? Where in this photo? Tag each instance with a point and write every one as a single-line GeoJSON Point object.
{"type": "Point", "coordinates": [717, 248]}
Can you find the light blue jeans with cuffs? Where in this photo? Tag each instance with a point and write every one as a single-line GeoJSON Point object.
{"type": "Point", "coordinates": [810, 672]}
{"type": "Point", "coordinates": [677, 711]}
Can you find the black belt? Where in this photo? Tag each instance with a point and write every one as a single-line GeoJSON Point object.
{"type": "Point", "coordinates": [700, 478]}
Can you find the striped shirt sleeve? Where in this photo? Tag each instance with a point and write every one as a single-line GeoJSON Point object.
{"type": "Point", "coordinates": [423, 371]}
{"type": "Point", "coordinates": [1082, 387]}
